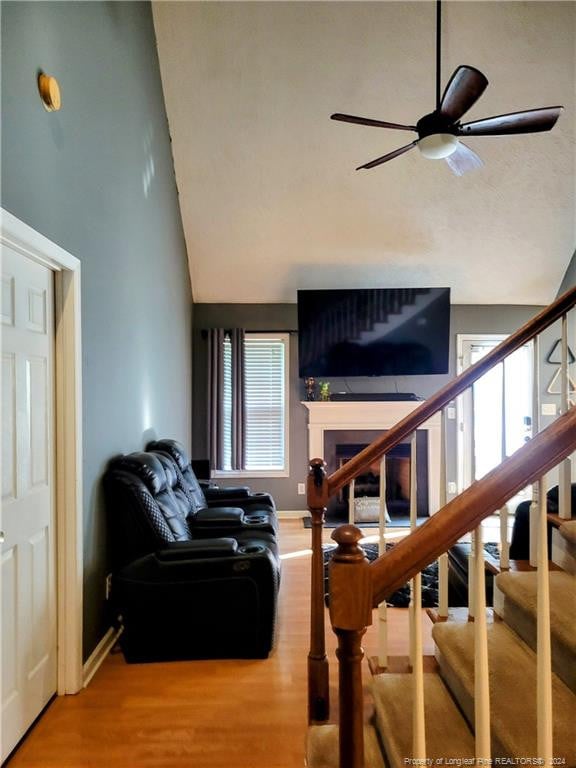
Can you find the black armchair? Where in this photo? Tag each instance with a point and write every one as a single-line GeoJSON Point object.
{"type": "Point", "coordinates": [183, 593]}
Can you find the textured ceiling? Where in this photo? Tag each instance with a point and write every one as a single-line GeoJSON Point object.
{"type": "Point", "coordinates": [269, 196]}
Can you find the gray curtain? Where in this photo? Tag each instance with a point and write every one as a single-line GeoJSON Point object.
{"type": "Point", "coordinates": [238, 398]}
{"type": "Point", "coordinates": [216, 397]}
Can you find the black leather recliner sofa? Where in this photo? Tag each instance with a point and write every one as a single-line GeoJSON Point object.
{"type": "Point", "coordinates": [207, 494]}
{"type": "Point", "coordinates": [187, 583]}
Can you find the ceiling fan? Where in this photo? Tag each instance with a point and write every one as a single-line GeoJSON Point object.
{"type": "Point", "coordinates": [439, 132]}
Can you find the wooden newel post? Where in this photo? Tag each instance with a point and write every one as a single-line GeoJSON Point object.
{"type": "Point", "coordinates": [318, 686]}
{"type": "Point", "coordinates": [350, 614]}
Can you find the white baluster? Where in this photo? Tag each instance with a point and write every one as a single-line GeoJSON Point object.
{"type": "Point", "coordinates": [472, 579]}
{"type": "Point", "coordinates": [471, 567]}
{"type": "Point", "coordinates": [503, 414]}
{"type": "Point", "coordinates": [413, 519]}
{"type": "Point", "coordinates": [481, 678]}
{"type": "Point", "coordinates": [534, 506]}
{"type": "Point", "coordinates": [413, 485]}
{"type": "Point", "coordinates": [382, 609]}
{"type": "Point", "coordinates": [351, 495]}
{"type": "Point", "coordinates": [565, 468]}
{"type": "Point", "coordinates": [504, 560]}
{"type": "Point", "coordinates": [417, 658]}
{"type": "Point", "coordinates": [544, 653]}
{"type": "Point", "coordinates": [443, 559]}
{"type": "Point", "coordinates": [443, 586]}
{"type": "Point", "coordinates": [565, 491]}
{"type": "Point", "coordinates": [534, 515]}
{"type": "Point", "coordinates": [504, 543]}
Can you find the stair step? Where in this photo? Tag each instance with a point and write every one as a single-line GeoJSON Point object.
{"type": "Point", "coordinates": [564, 546]}
{"type": "Point", "coordinates": [400, 664]}
{"type": "Point", "coordinates": [322, 747]}
{"type": "Point", "coordinates": [516, 603]}
{"type": "Point", "coordinates": [568, 531]}
{"type": "Point", "coordinates": [447, 734]}
{"type": "Point", "coordinates": [512, 666]}
{"type": "Point", "coordinates": [457, 614]}
{"type": "Point", "coordinates": [557, 521]}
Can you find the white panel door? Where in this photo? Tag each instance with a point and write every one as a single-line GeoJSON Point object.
{"type": "Point", "coordinates": [29, 674]}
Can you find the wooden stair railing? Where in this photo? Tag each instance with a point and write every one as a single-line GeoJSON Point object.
{"type": "Point", "coordinates": [429, 407]}
{"type": "Point", "coordinates": [321, 487]}
{"type": "Point", "coordinates": [465, 513]}
{"type": "Point", "coordinates": [354, 582]}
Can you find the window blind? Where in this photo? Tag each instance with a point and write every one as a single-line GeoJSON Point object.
{"type": "Point", "coordinates": [265, 397]}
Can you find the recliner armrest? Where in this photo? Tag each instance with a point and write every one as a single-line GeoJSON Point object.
{"type": "Point", "coordinates": [215, 492]}
{"type": "Point", "coordinates": [215, 516]}
{"type": "Point", "coordinates": [201, 549]}
{"type": "Point", "coordinates": [260, 501]}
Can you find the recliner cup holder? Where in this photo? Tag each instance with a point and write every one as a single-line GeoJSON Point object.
{"type": "Point", "coordinates": [255, 519]}
{"type": "Point", "coordinates": [251, 549]}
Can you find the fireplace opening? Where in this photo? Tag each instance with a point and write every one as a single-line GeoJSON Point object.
{"type": "Point", "coordinates": [342, 445]}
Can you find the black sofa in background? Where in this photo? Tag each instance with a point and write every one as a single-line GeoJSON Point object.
{"type": "Point", "coordinates": [188, 582]}
{"type": "Point", "coordinates": [207, 495]}
{"type": "Point", "coordinates": [520, 543]}
{"type": "Point", "coordinates": [458, 555]}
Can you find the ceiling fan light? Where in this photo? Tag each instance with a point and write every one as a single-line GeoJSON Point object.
{"type": "Point", "coordinates": [438, 145]}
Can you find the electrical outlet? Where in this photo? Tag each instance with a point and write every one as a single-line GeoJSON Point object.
{"type": "Point", "coordinates": [451, 487]}
{"type": "Point", "coordinates": [108, 586]}
{"type": "Point", "coordinates": [301, 489]}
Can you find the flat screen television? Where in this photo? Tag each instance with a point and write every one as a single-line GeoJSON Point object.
{"type": "Point", "coordinates": [373, 332]}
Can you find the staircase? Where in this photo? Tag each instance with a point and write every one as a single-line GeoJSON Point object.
{"type": "Point", "coordinates": [449, 693]}
{"type": "Point", "coordinates": [504, 689]}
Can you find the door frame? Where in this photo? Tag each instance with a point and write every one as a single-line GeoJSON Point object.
{"type": "Point", "coordinates": [464, 407]}
{"type": "Point", "coordinates": [68, 433]}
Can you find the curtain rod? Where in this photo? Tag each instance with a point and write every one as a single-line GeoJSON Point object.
{"type": "Point", "coordinates": [204, 331]}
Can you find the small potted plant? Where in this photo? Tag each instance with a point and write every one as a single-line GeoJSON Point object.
{"type": "Point", "coordinates": [324, 389]}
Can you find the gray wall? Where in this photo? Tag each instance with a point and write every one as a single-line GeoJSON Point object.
{"type": "Point", "coordinates": [97, 178]}
{"type": "Point", "coordinates": [569, 280]}
{"type": "Point", "coordinates": [282, 317]}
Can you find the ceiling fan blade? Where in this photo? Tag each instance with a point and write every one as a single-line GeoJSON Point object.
{"type": "Point", "coordinates": [389, 156]}
{"type": "Point", "coordinates": [369, 121]}
{"type": "Point", "coordinates": [464, 89]}
{"type": "Point", "coordinates": [463, 159]}
{"type": "Point", "coordinates": [529, 121]}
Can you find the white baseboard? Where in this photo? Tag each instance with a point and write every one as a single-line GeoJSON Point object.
{"type": "Point", "coordinates": [292, 514]}
{"type": "Point", "coordinates": [99, 654]}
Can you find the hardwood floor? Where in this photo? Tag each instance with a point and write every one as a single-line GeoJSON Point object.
{"type": "Point", "coordinates": [201, 714]}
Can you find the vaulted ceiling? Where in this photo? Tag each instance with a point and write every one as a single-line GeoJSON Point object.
{"type": "Point", "coordinates": [269, 196]}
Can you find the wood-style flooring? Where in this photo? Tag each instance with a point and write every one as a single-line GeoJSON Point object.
{"type": "Point", "coordinates": [201, 714]}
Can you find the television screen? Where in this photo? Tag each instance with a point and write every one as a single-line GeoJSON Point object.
{"type": "Point", "coordinates": [373, 332]}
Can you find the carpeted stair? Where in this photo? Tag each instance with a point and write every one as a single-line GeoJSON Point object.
{"type": "Point", "coordinates": [515, 601]}
{"type": "Point", "coordinates": [564, 546]}
{"type": "Point", "coordinates": [444, 722]}
{"type": "Point", "coordinates": [512, 666]}
{"type": "Point", "coordinates": [449, 695]}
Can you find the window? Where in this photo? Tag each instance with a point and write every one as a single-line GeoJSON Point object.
{"type": "Point", "coordinates": [265, 404]}
{"type": "Point", "coordinates": [496, 421]}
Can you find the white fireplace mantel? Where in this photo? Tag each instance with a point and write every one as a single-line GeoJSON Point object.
{"type": "Point", "coordinates": [374, 415]}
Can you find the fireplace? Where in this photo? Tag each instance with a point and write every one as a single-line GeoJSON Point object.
{"type": "Point", "coordinates": [338, 430]}
{"type": "Point", "coordinates": [342, 445]}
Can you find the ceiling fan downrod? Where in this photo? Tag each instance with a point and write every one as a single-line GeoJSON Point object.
{"type": "Point", "coordinates": [438, 52]}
